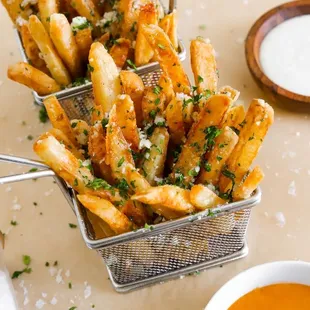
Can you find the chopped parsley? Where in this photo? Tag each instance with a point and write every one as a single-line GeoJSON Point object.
{"type": "Point", "coordinates": [152, 114]}
{"type": "Point", "coordinates": [236, 131]}
{"type": "Point", "coordinates": [80, 81]}
{"type": "Point", "coordinates": [26, 261]}
{"type": "Point", "coordinates": [162, 47]}
{"type": "Point", "coordinates": [157, 101]}
{"type": "Point", "coordinates": [202, 27]}
{"type": "Point", "coordinates": [193, 172]}
{"type": "Point", "coordinates": [14, 223]}
{"type": "Point", "coordinates": [132, 183]}
{"type": "Point", "coordinates": [242, 123]}
{"type": "Point", "coordinates": [75, 183]}
{"type": "Point", "coordinates": [104, 122]}
{"type": "Point", "coordinates": [43, 117]}
{"type": "Point", "coordinates": [123, 188]}
{"type": "Point", "coordinates": [228, 174]}
{"type": "Point", "coordinates": [207, 167]}
{"type": "Point", "coordinates": [73, 308]}
{"type": "Point", "coordinates": [90, 68]}
{"type": "Point", "coordinates": [98, 183]}
{"type": "Point", "coordinates": [81, 26]}
{"type": "Point", "coordinates": [157, 89]}
{"type": "Point", "coordinates": [150, 227]}
{"type": "Point", "coordinates": [221, 145]}
{"type": "Point", "coordinates": [219, 158]}
{"type": "Point", "coordinates": [131, 64]}
{"type": "Point", "coordinates": [74, 124]}
{"type": "Point", "coordinates": [85, 132]}
{"type": "Point", "coordinates": [72, 225]}
{"type": "Point", "coordinates": [33, 170]}
{"type": "Point", "coordinates": [35, 203]}
{"type": "Point", "coordinates": [133, 27]}
{"type": "Point", "coordinates": [200, 79]}
{"type": "Point", "coordinates": [55, 263]}
{"type": "Point", "coordinates": [30, 137]}
{"type": "Point", "coordinates": [47, 264]}
{"type": "Point", "coordinates": [211, 133]}
{"type": "Point", "coordinates": [252, 137]}
{"type": "Point", "coordinates": [70, 285]}
{"type": "Point", "coordinates": [120, 162]}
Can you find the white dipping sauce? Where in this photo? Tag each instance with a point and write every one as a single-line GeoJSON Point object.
{"type": "Point", "coordinates": [285, 55]}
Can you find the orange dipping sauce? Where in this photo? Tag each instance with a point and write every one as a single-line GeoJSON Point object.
{"type": "Point", "coordinates": [283, 296]}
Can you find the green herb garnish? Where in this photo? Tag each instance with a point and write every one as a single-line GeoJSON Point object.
{"type": "Point", "coordinates": [72, 225]}
{"type": "Point", "coordinates": [120, 162]}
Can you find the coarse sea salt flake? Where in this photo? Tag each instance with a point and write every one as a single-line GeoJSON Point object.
{"type": "Point", "coordinates": [53, 301]}
{"type": "Point", "coordinates": [87, 291]}
{"type": "Point", "coordinates": [40, 304]}
{"type": "Point", "coordinates": [292, 189]}
{"type": "Point", "coordinates": [280, 218]}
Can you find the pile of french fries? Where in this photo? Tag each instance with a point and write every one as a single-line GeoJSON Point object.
{"type": "Point", "coordinates": [157, 153]}
{"type": "Point", "coordinates": [57, 36]}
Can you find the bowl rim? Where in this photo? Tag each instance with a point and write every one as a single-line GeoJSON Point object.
{"type": "Point", "coordinates": [256, 269]}
{"type": "Point", "coordinates": [253, 63]}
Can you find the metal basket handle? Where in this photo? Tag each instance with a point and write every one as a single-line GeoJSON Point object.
{"type": "Point", "coordinates": [172, 5]}
{"type": "Point", "coordinates": [44, 172]}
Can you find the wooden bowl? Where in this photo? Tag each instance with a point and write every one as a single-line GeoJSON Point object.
{"type": "Point", "coordinates": [254, 40]}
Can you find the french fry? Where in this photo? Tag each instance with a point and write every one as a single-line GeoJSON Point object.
{"type": "Point", "coordinates": [84, 41]}
{"type": "Point", "coordinates": [80, 130]}
{"type": "Point", "coordinates": [135, 211]}
{"type": "Point", "coordinates": [66, 7]}
{"type": "Point", "coordinates": [234, 117]}
{"type": "Point", "coordinates": [29, 76]}
{"type": "Point", "coordinates": [215, 160]}
{"type": "Point", "coordinates": [104, 38]}
{"type": "Point", "coordinates": [167, 58]}
{"type": "Point", "coordinates": [167, 87]}
{"type": "Point", "coordinates": [105, 77]}
{"type": "Point", "coordinates": [59, 119]}
{"type": "Point", "coordinates": [175, 121]}
{"type": "Point", "coordinates": [17, 15]}
{"type": "Point", "coordinates": [133, 86]}
{"type": "Point", "coordinates": [200, 138]}
{"type": "Point", "coordinates": [143, 51]}
{"type": "Point", "coordinates": [126, 119]}
{"type": "Point", "coordinates": [63, 39]}
{"type": "Point", "coordinates": [119, 51]}
{"type": "Point", "coordinates": [50, 56]}
{"type": "Point", "coordinates": [154, 163]}
{"type": "Point", "coordinates": [62, 138]}
{"type": "Point", "coordinates": [257, 122]}
{"type": "Point", "coordinates": [46, 9]}
{"type": "Point", "coordinates": [203, 198]}
{"type": "Point", "coordinates": [230, 92]}
{"type": "Point", "coordinates": [248, 186]}
{"type": "Point", "coordinates": [203, 65]}
{"type": "Point", "coordinates": [169, 25]}
{"type": "Point", "coordinates": [169, 196]}
{"type": "Point", "coordinates": [87, 9]}
{"type": "Point", "coordinates": [96, 114]}
{"type": "Point", "coordinates": [153, 103]}
{"type": "Point", "coordinates": [116, 220]}
{"type": "Point", "coordinates": [31, 49]}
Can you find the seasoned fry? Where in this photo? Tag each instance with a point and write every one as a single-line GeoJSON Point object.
{"type": "Point", "coordinates": [244, 190]}
{"type": "Point", "coordinates": [135, 211]}
{"type": "Point", "coordinates": [116, 220]}
{"type": "Point", "coordinates": [63, 39]}
{"type": "Point", "coordinates": [84, 41]}
{"type": "Point", "coordinates": [119, 51]}
{"type": "Point", "coordinates": [153, 103]}
{"type": "Point", "coordinates": [230, 92]}
{"type": "Point", "coordinates": [204, 65]}
{"type": "Point", "coordinates": [133, 86]}
{"type": "Point", "coordinates": [204, 198]}
{"type": "Point", "coordinates": [27, 75]}
{"type": "Point", "coordinates": [80, 130]}
{"type": "Point", "coordinates": [105, 77]}
{"type": "Point", "coordinates": [200, 138]}
{"type": "Point", "coordinates": [143, 51]}
{"type": "Point", "coordinates": [46, 9]}
{"type": "Point", "coordinates": [257, 122]}
{"type": "Point", "coordinates": [167, 58]}
{"type": "Point", "coordinates": [169, 25]}
{"type": "Point", "coordinates": [175, 121]}
{"type": "Point", "coordinates": [234, 117]}
{"type": "Point", "coordinates": [59, 119]}
{"type": "Point", "coordinates": [31, 49]}
{"type": "Point", "coordinates": [87, 9]}
{"type": "Point", "coordinates": [104, 38]}
{"type": "Point", "coordinates": [167, 87]}
{"type": "Point", "coordinates": [215, 160]}
{"type": "Point", "coordinates": [154, 160]}
{"type": "Point", "coordinates": [126, 119]}
{"type": "Point", "coordinates": [17, 15]}
{"type": "Point", "coordinates": [168, 196]}
{"type": "Point", "coordinates": [66, 8]}
{"type": "Point", "coordinates": [49, 54]}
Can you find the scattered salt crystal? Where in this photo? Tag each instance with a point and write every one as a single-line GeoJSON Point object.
{"type": "Point", "coordinates": [52, 271]}
{"type": "Point", "coordinates": [240, 40]}
{"type": "Point", "coordinates": [25, 291]}
{"type": "Point", "coordinates": [87, 291]}
{"type": "Point", "coordinates": [67, 273]}
{"type": "Point", "coordinates": [122, 97]}
{"type": "Point", "coordinates": [59, 277]}
{"type": "Point", "coordinates": [292, 189]}
{"type": "Point", "coordinates": [49, 192]}
{"type": "Point", "coordinates": [296, 170]}
{"type": "Point", "coordinates": [53, 301]}
{"type": "Point", "coordinates": [44, 295]}
{"type": "Point", "coordinates": [156, 179]}
{"type": "Point", "coordinates": [16, 207]}
{"type": "Point", "coordinates": [40, 304]}
{"type": "Point", "coordinates": [280, 218]}
{"type": "Point", "coordinates": [290, 154]}
{"type": "Point", "coordinates": [188, 12]}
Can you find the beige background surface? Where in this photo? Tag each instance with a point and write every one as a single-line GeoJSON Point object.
{"type": "Point", "coordinates": [43, 232]}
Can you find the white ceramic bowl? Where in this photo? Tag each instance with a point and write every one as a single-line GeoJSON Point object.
{"type": "Point", "coordinates": [259, 276]}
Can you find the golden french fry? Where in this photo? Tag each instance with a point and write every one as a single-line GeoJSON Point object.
{"type": "Point", "coordinates": [59, 119]}
{"type": "Point", "coordinates": [29, 76]}
{"type": "Point", "coordinates": [80, 130]}
{"type": "Point", "coordinates": [175, 121]}
{"type": "Point", "coordinates": [31, 49]}
{"type": "Point", "coordinates": [87, 9]}
{"type": "Point", "coordinates": [216, 159]}
{"type": "Point", "coordinates": [49, 54]}
{"type": "Point", "coordinates": [257, 122]}
{"type": "Point", "coordinates": [84, 40]}
{"type": "Point", "coordinates": [230, 92]}
{"type": "Point", "coordinates": [116, 220]}
{"type": "Point", "coordinates": [167, 87]}
{"type": "Point", "coordinates": [200, 138]}
{"type": "Point", "coordinates": [63, 39]}
{"type": "Point", "coordinates": [204, 65]}
{"type": "Point", "coordinates": [154, 160]}
{"type": "Point", "coordinates": [153, 103]}
{"type": "Point", "coordinates": [169, 25]}
{"type": "Point", "coordinates": [66, 8]}
{"type": "Point", "coordinates": [63, 139]}
{"type": "Point", "coordinates": [248, 186]}
{"type": "Point", "coordinates": [133, 86]}
{"type": "Point", "coordinates": [143, 51]}
{"type": "Point", "coordinates": [104, 38]}
{"type": "Point", "coordinates": [126, 119]}
{"type": "Point", "coordinates": [234, 117]}
{"type": "Point", "coordinates": [46, 9]}
{"type": "Point", "coordinates": [167, 58]}
{"type": "Point", "coordinates": [136, 212]}
{"type": "Point", "coordinates": [204, 198]}
{"type": "Point", "coordinates": [119, 51]}
{"type": "Point", "coordinates": [105, 77]}
{"type": "Point", "coordinates": [170, 196]}
{"type": "Point", "coordinates": [16, 11]}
